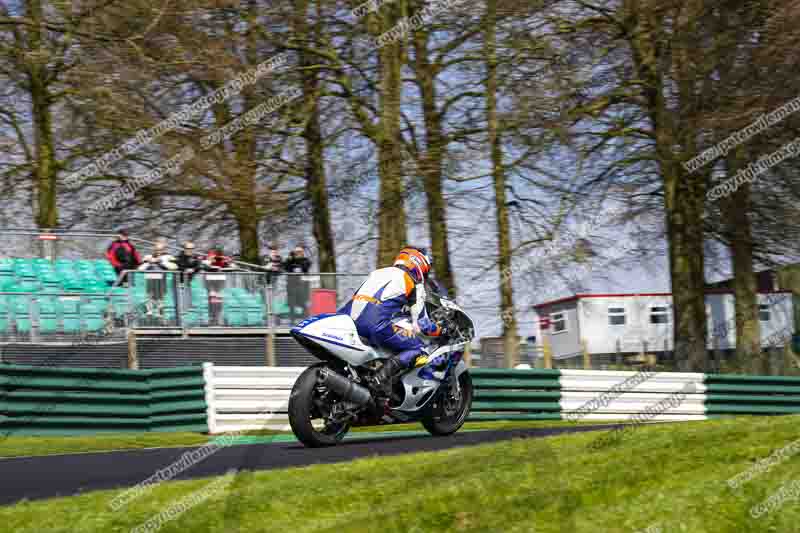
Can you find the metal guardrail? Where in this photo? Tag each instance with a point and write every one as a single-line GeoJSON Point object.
{"type": "Point", "coordinates": [232, 299]}
{"type": "Point", "coordinates": [172, 300]}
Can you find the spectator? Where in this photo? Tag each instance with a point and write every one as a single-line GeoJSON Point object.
{"type": "Point", "coordinates": [297, 261]}
{"type": "Point", "coordinates": [273, 264]}
{"type": "Point", "coordinates": [157, 286]}
{"type": "Point", "coordinates": [216, 260]}
{"type": "Point", "coordinates": [159, 259]}
{"type": "Point", "coordinates": [188, 263]}
{"type": "Point", "coordinates": [122, 254]}
{"type": "Point", "coordinates": [296, 287]}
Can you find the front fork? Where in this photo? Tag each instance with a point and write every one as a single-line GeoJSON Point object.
{"type": "Point", "coordinates": [452, 379]}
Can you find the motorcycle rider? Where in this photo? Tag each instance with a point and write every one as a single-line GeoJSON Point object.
{"type": "Point", "coordinates": [387, 294]}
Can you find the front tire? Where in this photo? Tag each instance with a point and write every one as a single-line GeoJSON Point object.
{"type": "Point", "coordinates": [303, 410]}
{"type": "Point", "coordinates": [443, 416]}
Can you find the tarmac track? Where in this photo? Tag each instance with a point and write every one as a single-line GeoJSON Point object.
{"type": "Point", "coordinates": [35, 478]}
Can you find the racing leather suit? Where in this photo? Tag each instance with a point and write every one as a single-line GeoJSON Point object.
{"type": "Point", "coordinates": [386, 295]}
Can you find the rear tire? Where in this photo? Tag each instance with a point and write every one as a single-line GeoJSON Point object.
{"type": "Point", "coordinates": [440, 423]}
{"type": "Point", "coordinates": [302, 411]}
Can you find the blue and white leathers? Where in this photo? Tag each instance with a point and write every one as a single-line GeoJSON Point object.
{"type": "Point", "coordinates": [388, 295]}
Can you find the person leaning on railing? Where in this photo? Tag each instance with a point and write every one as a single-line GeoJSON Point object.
{"type": "Point", "coordinates": [273, 264]}
{"type": "Point", "coordinates": [188, 263]}
{"type": "Point", "coordinates": [216, 261]}
{"type": "Point", "coordinates": [296, 287]}
{"type": "Point", "coordinates": [122, 254]}
{"type": "Point", "coordinates": [158, 260]}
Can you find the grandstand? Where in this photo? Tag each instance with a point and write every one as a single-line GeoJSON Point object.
{"type": "Point", "coordinates": [55, 310]}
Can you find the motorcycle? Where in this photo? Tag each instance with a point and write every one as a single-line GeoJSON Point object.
{"type": "Point", "coordinates": [336, 394]}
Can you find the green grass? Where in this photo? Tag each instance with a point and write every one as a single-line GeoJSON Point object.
{"type": "Point", "coordinates": [669, 476]}
{"type": "Point", "coordinates": [36, 446]}
{"type": "Point", "coordinates": [18, 446]}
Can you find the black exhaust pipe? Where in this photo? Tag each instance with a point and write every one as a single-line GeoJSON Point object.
{"type": "Point", "coordinates": [348, 389]}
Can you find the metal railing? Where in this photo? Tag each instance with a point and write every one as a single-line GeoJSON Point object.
{"type": "Point", "coordinates": [69, 317]}
{"type": "Point", "coordinates": [231, 299]}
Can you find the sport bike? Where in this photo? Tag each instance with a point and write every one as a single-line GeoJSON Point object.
{"type": "Point", "coordinates": [338, 393]}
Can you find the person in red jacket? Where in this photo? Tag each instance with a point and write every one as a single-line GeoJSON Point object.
{"type": "Point", "coordinates": [122, 254]}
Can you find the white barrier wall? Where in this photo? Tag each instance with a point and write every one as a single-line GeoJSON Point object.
{"type": "Point", "coordinates": [619, 395]}
{"type": "Point", "coordinates": [242, 398]}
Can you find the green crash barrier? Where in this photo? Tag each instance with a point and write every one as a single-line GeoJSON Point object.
{"type": "Point", "coordinates": [751, 395]}
{"type": "Point", "coordinates": [502, 394]}
{"type": "Point", "coordinates": [76, 401]}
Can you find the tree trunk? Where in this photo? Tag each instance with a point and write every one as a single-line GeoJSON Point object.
{"type": "Point", "coordinates": [316, 183]}
{"type": "Point", "coordinates": [510, 344]}
{"type": "Point", "coordinates": [248, 238]}
{"type": "Point", "coordinates": [391, 210]}
{"type": "Point", "coordinates": [684, 193]}
{"type": "Point", "coordinates": [684, 207]}
{"type": "Point", "coordinates": [748, 328]}
{"type": "Point", "coordinates": [45, 171]}
{"type": "Point", "coordinates": [432, 162]}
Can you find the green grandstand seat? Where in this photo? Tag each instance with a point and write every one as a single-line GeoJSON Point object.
{"type": "Point", "coordinates": [94, 285]}
{"type": "Point", "coordinates": [233, 307]}
{"type": "Point", "coordinates": [71, 314]}
{"type": "Point", "coordinates": [197, 317]}
{"type": "Point", "coordinates": [7, 266]}
{"type": "Point", "coordinates": [93, 314]}
{"type": "Point", "coordinates": [48, 315]}
{"type": "Point", "coordinates": [44, 270]}
{"type": "Point", "coordinates": [25, 271]}
{"type": "Point", "coordinates": [107, 277]}
{"type": "Point", "coordinates": [280, 307]}
{"type": "Point", "coordinates": [65, 272]}
{"type": "Point", "coordinates": [120, 301]}
{"type": "Point", "coordinates": [256, 315]}
{"type": "Point", "coordinates": [72, 284]}
{"type": "Point", "coordinates": [234, 317]}
{"type": "Point", "coordinates": [22, 314]}
{"type": "Point", "coordinates": [5, 315]}
{"type": "Point", "coordinates": [51, 281]}
{"type": "Point", "coordinates": [22, 286]}
{"type": "Point", "coordinates": [6, 278]}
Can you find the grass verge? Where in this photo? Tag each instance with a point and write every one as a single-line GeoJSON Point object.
{"type": "Point", "coordinates": [36, 446]}
{"type": "Point", "coordinates": [669, 478]}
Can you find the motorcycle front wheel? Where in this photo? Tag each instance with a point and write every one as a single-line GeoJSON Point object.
{"type": "Point", "coordinates": [307, 404]}
{"type": "Point", "coordinates": [448, 412]}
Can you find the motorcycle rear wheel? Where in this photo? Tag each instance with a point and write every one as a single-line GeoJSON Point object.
{"type": "Point", "coordinates": [302, 413]}
{"type": "Point", "coordinates": [440, 421]}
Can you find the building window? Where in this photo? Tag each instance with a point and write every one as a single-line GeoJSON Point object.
{"type": "Point", "coordinates": [659, 314]}
{"type": "Point", "coordinates": [559, 322]}
{"type": "Point", "coordinates": [616, 316]}
{"type": "Point", "coordinates": [764, 313]}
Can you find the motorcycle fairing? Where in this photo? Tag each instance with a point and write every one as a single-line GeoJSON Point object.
{"type": "Point", "coordinates": [337, 333]}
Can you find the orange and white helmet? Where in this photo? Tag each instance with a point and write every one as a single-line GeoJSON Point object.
{"type": "Point", "coordinates": [415, 260]}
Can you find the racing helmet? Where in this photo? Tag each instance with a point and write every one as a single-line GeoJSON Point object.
{"type": "Point", "coordinates": [415, 260]}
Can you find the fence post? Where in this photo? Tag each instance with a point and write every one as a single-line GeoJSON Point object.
{"type": "Point", "coordinates": [269, 292]}
{"type": "Point", "coordinates": [211, 409]}
{"type": "Point", "coordinates": [547, 353]}
{"type": "Point", "coordinates": [270, 347]}
{"type": "Point", "coordinates": [133, 356]}
{"type": "Point", "coordinates": [587, 358]}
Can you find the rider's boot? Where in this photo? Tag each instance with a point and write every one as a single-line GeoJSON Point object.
{"type": "Point", "coordinates": [384, 378]}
